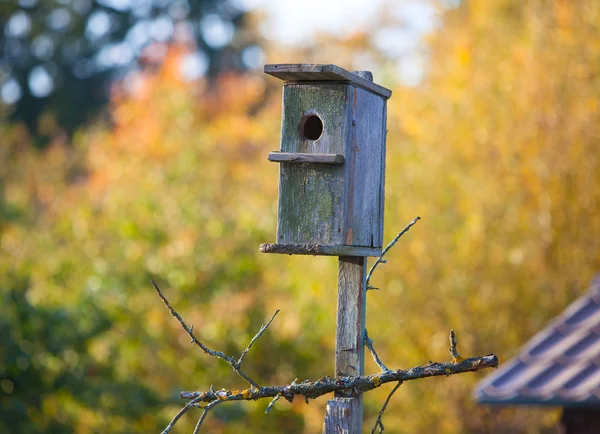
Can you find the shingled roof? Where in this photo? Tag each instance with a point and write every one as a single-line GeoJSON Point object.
{"type": "Point", "coordinates": [559, 366]}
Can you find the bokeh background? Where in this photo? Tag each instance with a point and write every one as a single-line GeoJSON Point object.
{"type": "Point", "coordinates": [133, 143]}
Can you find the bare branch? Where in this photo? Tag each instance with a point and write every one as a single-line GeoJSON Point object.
{"type": "Point", "coordinates": [314, 389]}
{"type": "Point", "coordinates": [208, 408]}
{"type": "Point", "coordinates": [190, 331]}
{"type": "Point", "coordinates": [369, 345]}
{"type": "Point", "coordinates": [180, 413]}
{"type": "Point", "coordinates": [258, 335]}
{"type": "Point", "coordinates": [378, 422]}
{"type": "Point", "coordinates": [272, 403]}
{"type": "Point", "coordinates": [456, 358]}
{"type": "Point", "coordinates": [380, 260]}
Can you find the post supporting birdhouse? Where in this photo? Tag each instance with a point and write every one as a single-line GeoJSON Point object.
{"type": "Point", "coordinates": [331, 197]}
{"type": "Point", "coordinates": [349, 345]}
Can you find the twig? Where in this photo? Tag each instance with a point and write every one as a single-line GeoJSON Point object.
{"type": "Point", "coordinates": [456, 358]}
{"type": "Point", "coordinates": [272, 403]}
{"type": "Point", "coordinates": [258, 335]}
{"type": "Point", "coordinates": [325, 385]}
{"type": "Point", "coordinates": [378, 422]}
{"type": "Point", "coordinates": [369, 345]}
{"type": "Point", "coordinates": [180, 413]}
{"type": "Point", "coordinates": [208, 408]}
{"type": "Point", "coordinates": [236, 365]}
{"type": "Point", "coordinates": [380, 260]}
{"type": "Point", "coordinates": [314, 389]}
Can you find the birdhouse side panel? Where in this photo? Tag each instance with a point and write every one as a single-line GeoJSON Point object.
{"type": "Point", "coordinates": [311, 196]}
{"type": "Point", "coordinates": [366, 170]}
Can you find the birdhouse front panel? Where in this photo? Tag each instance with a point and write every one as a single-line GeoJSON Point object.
{"type": "Point", "coordinates": [332, 162]}
{"type": "Point", "coordinates": [311, 195]}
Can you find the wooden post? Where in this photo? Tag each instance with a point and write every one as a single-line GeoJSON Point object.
{"type": "Point", "coordinates": [331, 197]}
{"type": "Point", "coordinates": [344, 412]}
{"type": "Point", "coordinates": [343, 416]}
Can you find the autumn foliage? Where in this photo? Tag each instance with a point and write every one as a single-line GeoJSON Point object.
{"type": "Point", "coordinates": [496, 150]}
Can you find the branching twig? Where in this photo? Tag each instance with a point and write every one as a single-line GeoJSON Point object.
{"type": "Point", "coordinates": [272, 403]}
{"type": "Point", "coordinates": [380, 260]}
{"type": "Point", "coordinates": [190, 331]}
{"type": "Point", "coordinates": [456, 358]}
{"type": "Point", "coordinates": [208, 408]}
{"type": "Point", "coordinates": [258, 335]}
{"type": "Point", "coordinates": [314, 389]}
{"type": "Point", "coordinates": [378, 422]}
{"type": "Point", "coordinates": [180, 413]}
{"type": "Point", "coordinates": [369, 344]}
{"type": "Point", "coordinates": [236, 365]}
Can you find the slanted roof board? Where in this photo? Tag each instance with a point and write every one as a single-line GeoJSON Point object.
{"type": "Point", "coordinates": [305, 72]}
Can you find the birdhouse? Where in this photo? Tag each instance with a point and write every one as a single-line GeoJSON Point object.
{"type": "Point", "coordinates": [332, 161]}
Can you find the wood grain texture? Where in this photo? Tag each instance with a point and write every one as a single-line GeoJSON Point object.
{"type": "Point", "coordinates": [298, 158]}
{"type": "Point", "coordinates": [367, 75]}
{"type": "Point", "coordinates": [350, 324]}
{"type": "Point", "coordinates": [378, 241]}
{"type": "Point", "coordinates": [311, 197]}
{"type": "Point", "coordinates": [319, 250]}
{"type": "Point", "coordinates": [332, 204]}
{"type": "Point", "coordinates": [322, 72]}
{"type": "Point", "coordinates": [349, 360]}
{"type": "Point", "coordinates": [342, 416]}
{"type": "Point", "coordinates": [365, 170]}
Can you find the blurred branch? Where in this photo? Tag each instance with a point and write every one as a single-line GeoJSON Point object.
{"type": "Point", "coordinates": [258, 335]}
{"type": "Point", "coordinates": [272, 403]}
{"type": "Point", "coordinates": [453, 352]}
{"type": "Point", "coordinates": [378, 422]}
{"type": "Point", "coordinates": [180, 413]}
{"type": "Point", "coordinates": [380, 260]}
{"type": "Point", "coordinates": [369, 345]}
{"type": "Point", "coordinates": [208, 408]}
{"type": "Point", "coordinates": [236, 365]}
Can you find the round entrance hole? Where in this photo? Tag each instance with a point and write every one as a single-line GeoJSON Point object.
{"type": "Point", "coordinates": [311, 127]}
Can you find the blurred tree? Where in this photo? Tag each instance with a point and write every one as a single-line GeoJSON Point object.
{"type": "Point", "coordinates": [496, 149]}
{"type": "Point", "coordinates": [59, 57]}
{"type": "Point", "coordinates": [159, 194]}
{"type": "Point", "coordinates": [45, 364]}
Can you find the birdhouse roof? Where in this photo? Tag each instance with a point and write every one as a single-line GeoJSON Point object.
{"type": "Point", "coordinates": [307, 72]}
{"type": "Point", "coordinates": [558, 366]}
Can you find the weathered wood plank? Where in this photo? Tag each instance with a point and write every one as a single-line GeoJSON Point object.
{"type": "Point", "coordinates": [350, 327]}
{"type": "Point", "coordinates": [311, 197]}
{"type": "Point", "coordinates": [296, 157]}
{"type": "Point", "coordinates": [320, 250]}
{"type": "Point", "coordinates": [350, 316]}
{"type": "Point", "coordinates": [367, 75]}
{"type": "Point", "coordinates": [331, 204]}
{"type": "Point", "coordinates": [379, 233]}
{"type": "Point", "coordinates": [322, 72]}
{"type": "Point", "coordinates": [364, 170]}
{"type": "Point", "coordinates": [342, 416]}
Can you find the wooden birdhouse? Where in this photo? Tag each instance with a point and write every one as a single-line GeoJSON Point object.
{"type": "Point", "coordinates": [332, 161]}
